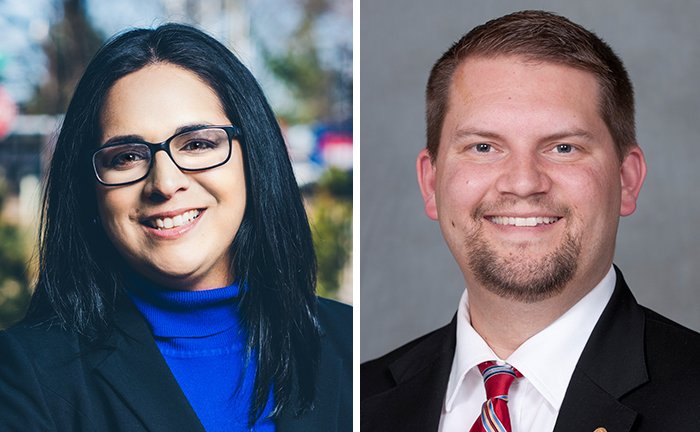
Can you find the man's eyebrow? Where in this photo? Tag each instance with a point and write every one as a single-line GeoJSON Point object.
{"type": "Point", "coordinates": [132, 138]}
{"type": "Point", "coordinates": [477, 133]}
{"type": "Point", "coordinates": [571, 133]}
{"type": "Point", "coordinates": [469, 133]}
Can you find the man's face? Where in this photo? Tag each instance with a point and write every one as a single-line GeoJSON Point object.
{"type": "Point", "coordinates": [527, 185]}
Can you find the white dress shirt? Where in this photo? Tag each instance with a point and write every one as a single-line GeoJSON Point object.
{"type": "Point", "coordinates": [546, 360]}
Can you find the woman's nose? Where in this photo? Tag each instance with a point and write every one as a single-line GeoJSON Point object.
{"type": "Point", "coordinates": [165, 178]}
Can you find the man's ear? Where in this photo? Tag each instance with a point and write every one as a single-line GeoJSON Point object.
{"type": "Point", "coordinates": [632, 173]}
{"type": "Point", "coordinates": [426, 180]}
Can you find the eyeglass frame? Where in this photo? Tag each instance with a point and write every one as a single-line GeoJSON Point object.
{"type": "Point", "coordinates": [232, 132]}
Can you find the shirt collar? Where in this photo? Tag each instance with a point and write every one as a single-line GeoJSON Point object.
{"type": "Point", "coordinates": [563, 340]}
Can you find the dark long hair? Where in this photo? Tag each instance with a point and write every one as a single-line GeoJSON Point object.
{"type": "Point", "coordinates": [80, 279]}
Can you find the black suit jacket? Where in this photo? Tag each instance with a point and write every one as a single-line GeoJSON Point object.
{"type": "Point", "coordinates": [51, 380]}
{"type": "Point", "coordinates": [638, 372]}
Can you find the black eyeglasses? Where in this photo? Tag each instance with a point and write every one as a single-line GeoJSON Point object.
{"type": "Point", "coordinates": [199, 149]}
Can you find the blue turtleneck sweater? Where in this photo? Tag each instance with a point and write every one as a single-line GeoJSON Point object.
{"type": "Point", "coordinates": [199, 335]}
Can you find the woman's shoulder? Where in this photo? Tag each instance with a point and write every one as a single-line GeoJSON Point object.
{"type": "Point", "coordinates": [335, 315]}
{"type": "Point", "coordinates": [336, 309]}
{"type": "Point", "coordinates": [39, 367]}
{"type": "Point", "coordinates": [47, 345]}
{"type": "Point", "coordinates": [33, 334]}
{"type": "Point", "coordinates": [335, 319]}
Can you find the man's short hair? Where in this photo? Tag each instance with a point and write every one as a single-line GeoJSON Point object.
{"type": "Point", "coordinates": [541, 37]}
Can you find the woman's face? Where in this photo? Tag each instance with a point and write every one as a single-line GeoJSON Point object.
{"type": "Point", "coordinates": [151, 104]}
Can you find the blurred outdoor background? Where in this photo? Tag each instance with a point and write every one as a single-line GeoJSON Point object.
{"type": "Point", "coordinates": [299, 50]}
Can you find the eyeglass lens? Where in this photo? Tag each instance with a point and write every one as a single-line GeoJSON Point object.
{"type": "Point", "coordinates": [195, 150]}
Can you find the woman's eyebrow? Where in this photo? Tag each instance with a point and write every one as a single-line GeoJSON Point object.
{"type": "Point", "coordinates": [125, 139]}
{"type": "Point", "coordinates": [122, 139]}
{"type": "Point", "coordinates": [191, 127]}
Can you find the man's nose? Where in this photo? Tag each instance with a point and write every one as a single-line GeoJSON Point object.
{"type": "Point", "coordinates": [523, 175]}
{"type": "Point", "coordinates": [165, 178]}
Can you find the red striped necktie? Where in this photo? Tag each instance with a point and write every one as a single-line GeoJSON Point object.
{"type": "Point", "coordinates": [494, 413]}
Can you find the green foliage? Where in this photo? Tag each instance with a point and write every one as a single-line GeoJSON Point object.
{"type": "Point", "coordinates": [72, 43]}
{"type": "Point", "coordinates": [337, 183]}
{"type": "Point", "coordinates": [299, 67]}
{"type": "Point", "coordinates": [300, 70]}
{"type": "Point", "coordinates": [14, 278]}
{"type": "Point", "coordinates": [331, 221]}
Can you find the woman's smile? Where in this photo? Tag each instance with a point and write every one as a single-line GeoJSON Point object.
{"type": "Point", "coordinates": [173, 224]}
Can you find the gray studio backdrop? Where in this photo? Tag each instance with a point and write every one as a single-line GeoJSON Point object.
{"type": "Point", "coordinates": [410, 283]}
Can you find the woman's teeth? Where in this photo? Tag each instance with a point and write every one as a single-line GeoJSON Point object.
{"type": "Point", "coordinates": [176, 221]}
{"type": "Point", "coordinates": [522, 222]}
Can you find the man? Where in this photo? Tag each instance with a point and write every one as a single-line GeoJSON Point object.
{"type": "Point", "coordinates": [531, 158]}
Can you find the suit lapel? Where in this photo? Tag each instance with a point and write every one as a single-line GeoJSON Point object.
{"type": "Point", "coordinates": [612, 364]}
{"type": "Point", "coordinates": [421, 377]}
{"type": "Point", "coordinates": [136, 370]}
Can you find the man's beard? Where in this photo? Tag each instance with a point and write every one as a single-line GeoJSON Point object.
{"type": "Point", "coordinates": [517, 276]}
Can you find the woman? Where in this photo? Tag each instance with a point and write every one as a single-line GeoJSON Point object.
{"type": "Point", "coordinates": [177, 273]}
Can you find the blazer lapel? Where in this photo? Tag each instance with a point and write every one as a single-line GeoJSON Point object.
{"type": "Point", "coordinates": [612, 364]}
{"type": "Point", "coordinates": [421, 377]}
{"type": "Point", "coordinates": [136, 370]}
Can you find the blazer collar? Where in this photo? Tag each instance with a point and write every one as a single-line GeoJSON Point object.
{"type": "Point", "coordinates": [421, 376]}
{"type": "Point", "coordinates": [612, 364]}
{"type": "Point", "coordinates": [136, 370]}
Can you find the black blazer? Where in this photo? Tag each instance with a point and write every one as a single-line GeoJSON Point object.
{"type": "Point", "coordinates": [51, 380]}
{"type": "Point", "coordinates": [638, 372]}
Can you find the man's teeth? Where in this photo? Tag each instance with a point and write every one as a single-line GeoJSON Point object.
{"type": "Point", "coordinates": [522, 222]}
{"type": "Point", "coordinates": [176, 221]}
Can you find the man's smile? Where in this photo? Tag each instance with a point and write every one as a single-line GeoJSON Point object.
{"type": "Point", "coordinates": [531, 221]}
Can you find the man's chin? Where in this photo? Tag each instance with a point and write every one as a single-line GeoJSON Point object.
{"type": "Point", "coordinates": [518, 275]}
{"type": "Point", "coordinates": [525, 288]}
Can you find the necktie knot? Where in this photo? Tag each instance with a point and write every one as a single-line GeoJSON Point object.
{"type": "Point", "coordinates": [498, 379]}
{"type": "Point", "coordinates": [494, 413]}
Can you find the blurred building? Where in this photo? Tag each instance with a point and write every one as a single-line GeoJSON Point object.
{"type": "Point", "coordinates": [24, 154]}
